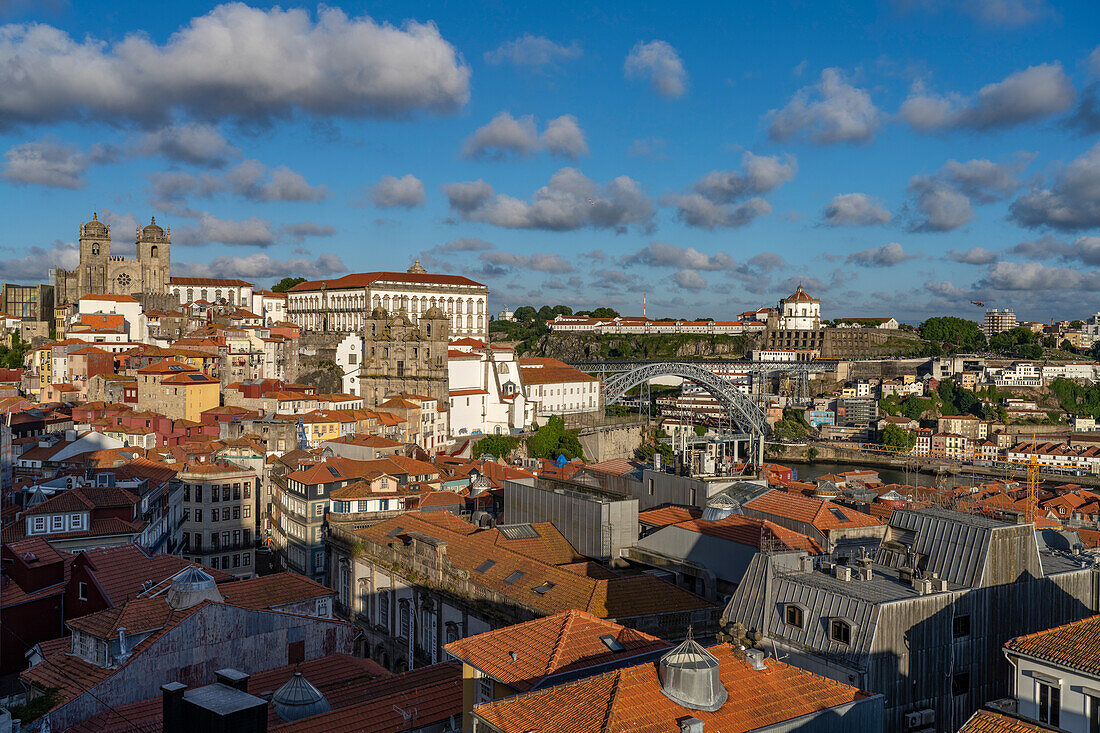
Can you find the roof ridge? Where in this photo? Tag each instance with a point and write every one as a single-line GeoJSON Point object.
{"type": "Point", "coordinates": [558, 642]}
{"type": "Point", "coordinates": [613, 698]}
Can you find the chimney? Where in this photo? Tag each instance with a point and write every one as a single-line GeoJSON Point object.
{"type": "Point", "coordinates": [923, 586]}
{"type": "Point", "coordinates": [865, 572]}
{"type": "Point", "coordinates": [691, 725]}
{"type": "Point", "coordinates": [122, 643]}
{"type": "Point", "coordinates": [939, 585]}
{"type": "Point", "coordinates": [171, 703]}
{"type": "Point", "coordinates": [807, 562]}
{"type": "Point", "coordinates": [755, 658]}
{"type": "Point", "coordinates": [843, 572]}
{"type": "Point", "coordinates": [905, 575]}
{"type": "Point", "coordinates": [232, 678]}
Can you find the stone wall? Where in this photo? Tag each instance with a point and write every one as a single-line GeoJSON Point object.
{"type": "Point", "coordinates": [316, 362]}
{"type": "Point", "coordinates": [610, 441]}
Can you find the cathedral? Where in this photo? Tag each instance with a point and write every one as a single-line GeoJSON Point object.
{"type": "Point", "coordinates": [100, 273]}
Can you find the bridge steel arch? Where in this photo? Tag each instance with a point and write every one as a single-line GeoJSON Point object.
{"type": "Point", "coordinates": [742, 412]}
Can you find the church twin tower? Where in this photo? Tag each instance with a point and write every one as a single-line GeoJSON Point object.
{"type": "Point", "coordinates": [100, 273]}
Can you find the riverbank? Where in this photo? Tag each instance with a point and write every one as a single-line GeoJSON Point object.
{"type": "Point", "coordinates": [905, 466]}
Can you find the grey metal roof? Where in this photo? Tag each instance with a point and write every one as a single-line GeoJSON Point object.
{"type": "Point", "coordinates": [821, 605]}
{"type": "Point", "coordinates": [954, 545]}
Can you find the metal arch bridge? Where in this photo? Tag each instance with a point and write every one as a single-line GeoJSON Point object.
{"type": "Point", "coordinates": [742, 411]}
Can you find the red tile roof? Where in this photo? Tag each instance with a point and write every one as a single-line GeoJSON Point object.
{"type": "Point", "coordinates": [272, 591]}
{"type": "Point", "coordinates": [817, 512]}
{"type": "Point", "coordinates": [363, 279]}
{"type": "Point", "coordinates": [121, 572]}
{"type": "Point", "coordinates": [522, 655]}
{"type": "Point", "coordinates": [1075, 645]}
{"type": "Point", "coordinates": [989, 721]}
{"type": "Point", "coordinates": [666, 515]}
{"type": "Point", "coordinates": [631, 700]}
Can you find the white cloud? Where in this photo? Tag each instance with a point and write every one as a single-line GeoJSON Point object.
{"type": "Point", "coordinates": [261, 266]}
{"type": "Point", "coordinates": [831, 111]}
{"type": "Point", "coordinates": [946, 289]}
{"type": "Point", "coordinates": [539, 262]}
{"type": "Point", "coordinates": [1024, 96]}
{"type": "Point", "coordinates": [941, 207]}
{"type": "Point", "coordinates": [696, 210]}
{"type": "Point", "coordinates": [564, 137]}
{"type": "Point", "coordinates": [763, 174]}
{"type": "Point", "coordinates": [34, 266]}
{"type": "Point", "coordinates": [660, 63]}
{"type": "Point", "coordinates": [1036, 276]}
{"type": "Point", "coordinates": [249, 179]}
{"type": "Point", "coordinates": [53, 164]}
{"type": "Point", "coordinates": [505, 135]}
{"type": "Point", "coordinates": [995, 13]}
{"type": "Point", "coordinates": [252, 232]}
{"type": "Point", "coordinates": [887, 255]}
{"type": "Point", "coordinates": [1071, 202]}
{"type": "Point", "coordinates": [1083, 249]}
{"type": "Point", "coordinates": [535, 52]}
{"type": "Point", "coordinates": [689, 280]}
{"type": "Point", "coordinates": [570, 200]}
{"type": "Point", "coordinates": [236, 61]}
{"type": "Point", "coordinates": [302, 229]}
{"type": "Point", "coordinates": [661, 254]}
{"type": "Point", "coordinates": [195, 143]}
{"type": "Point", "coordinates": [855, 209]}
{"type": "Point", "coordinates": [390, 191]}
{"type": "Point", "coordinates": [973, 256]}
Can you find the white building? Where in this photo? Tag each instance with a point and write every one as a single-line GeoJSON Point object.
{"type": "Point", "coordinates": [1020, 374]}
{"type": "Point", "coordinates": [342, 304]}
{"type": "Point", "coordinates": [136, 326]}
{"type": "Point", "coordinates": [1069, 371]}
{"type": "Point", "coordinates": [800, 311]}
{"type": "Point", "coordinates": [271, 307]}
{"type": "Point", "coordinates": [1056, 677]}
{"type": "Point", "coordinates": [642, 325]}
{"type": "Point", "coordinates": [556, 388]}
{"type": "Point", "coordinates": [486, 390]}
{"type": "Point", "coordinates": [211, 289]}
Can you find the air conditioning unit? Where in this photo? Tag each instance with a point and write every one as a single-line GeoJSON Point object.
{"type": "Point", "coordinates": [913, 720]}
{"type": "Point", "coordinates": [927, 716]}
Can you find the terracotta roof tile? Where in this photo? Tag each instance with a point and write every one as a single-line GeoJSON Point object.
{"type": "Point", "coordinates": [631, 700]}
{"type": "Point", "coordinates": [549, 646]}
{"type": "Point", "coordinates": [270, 591]}
{"type": "Point", "coordinates": [666, 515]}
{"type": "Point", "coordinates": [1075, 645]}
{"type": "Point", "coordinates": [989, 721]}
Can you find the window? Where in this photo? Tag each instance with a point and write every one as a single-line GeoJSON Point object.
{"type": "Point", "coordinates": [319, 509]}
{"type": "Point", "coordinates": [198, 493]}
{"type": "Point", "coordinates": [793, 616]}
{"type": "Point", "coordinates": [82, 591]}
{"type": "Point", "coordinates": [296, 652]}
{"type": "Point", "coordinates": [1094, 713]}
{"type": "Point", "coordinates": [236, 561]}
{"type": "Point", "coordinates": [406, 622]}
{"type": "Point", "coordinates": [1050, 704]}
{"type": "Point", "coordinates": [962, 626]}
{"type": "Point", "coordinates": [198, 515]}
{"type": "Point", "coordinates": [57, 523]}
{"type": "Point", "coordinates": [247, 511]}
{"type": "Point", "coordinates": [246, 559]}
{"type": "Point", "coordinates": [187, 492]}
{"type": "Point", "coordinates": [215, 515]}
{"type": "Point", "coordinates": [840, 631]}
{"type": "Point", "coordinates": [39, 524]}
{"type": "Point", "coordinates": [960, 684]}
{"type": "Point", "coordinates": [651, 487]}
{"type": "Point", "coordinates": [225, 492]}
{"type": "Point", "coordinates": [248, 489]}
{"type": "Point", "coordinates": [236, 512]}
{"type": "Point", "coordinates": [484, 688]}
{"type": "Point", "coordinates": [214, 493]}
{"type": "Point", "coordinates": [214, 563]}
{"type": "Point", "coordinates": [384, 608]}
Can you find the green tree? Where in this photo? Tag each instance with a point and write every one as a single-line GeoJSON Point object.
{"type": "Point", "coordinates": [913, 407]}
{"type": "Point", "coordinates": [546, 313]}
{"type": "Point", "coordinates": [552, 440]}
{"type": "Point", "coordinates": [496, 445]}
{"type": "Point", "coordinates": [811, 454]}
{"type": "Point", "coordinates": [1076, 325]}
{"type": "Point", "coordinates": [1050, 341]}
{"type": "Point", "coordinates": [562, 310]}
{"type": "Point", "coordinates": [605, 313]}
{"type": "Point", "coordinates": [1066, 346]}
{"type": "Point", "coordinates": [954, 333]}
{"type": "Point", "coordinates": [895, 437]}
{"type": "Point", "coordinates": [286, 284]}
{"type": "Point", "coordinates": [525, 313]}
{"type": "Point", "coordinates": [700, 430]}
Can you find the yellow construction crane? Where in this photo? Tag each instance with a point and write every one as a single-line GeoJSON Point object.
{"type": "Point", "coordinates": [1031, 510]}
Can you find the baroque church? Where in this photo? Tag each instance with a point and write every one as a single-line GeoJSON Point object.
{"type": "Point", "coordinates": [101, 273]}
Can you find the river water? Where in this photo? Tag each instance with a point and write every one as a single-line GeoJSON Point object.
{"type": "Point", "coordinates": [809, 471]}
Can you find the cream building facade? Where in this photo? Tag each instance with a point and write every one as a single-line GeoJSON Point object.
{"type": "Point", "coordinates": [344, 304]}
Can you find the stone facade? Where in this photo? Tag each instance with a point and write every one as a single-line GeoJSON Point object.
{"type": "Point", "coordinates": [400, 356]}
{"type": "Point", "coordinates": [101, 273]}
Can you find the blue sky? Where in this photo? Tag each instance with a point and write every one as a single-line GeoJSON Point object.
{"type": "Point", "coordinates": [899, 157]}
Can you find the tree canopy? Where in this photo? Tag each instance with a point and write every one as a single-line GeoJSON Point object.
{"type": "Point", "coordinates": [286, 284]}
{"type": "Point", "coordinates": [954, 334]}
{"type": "Point", "coordinates": [895, 437]}
{"type": "Point", "coordinates": [1017, 341]}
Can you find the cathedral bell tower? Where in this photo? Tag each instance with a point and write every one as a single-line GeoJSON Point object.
{"type": "Point", "coordinates": [95, 254]}
{"type": "Point", "coordinates": [154, 254]}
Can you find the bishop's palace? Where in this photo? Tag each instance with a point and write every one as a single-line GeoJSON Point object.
{"type": "Point", "coordinates": [101, 273]}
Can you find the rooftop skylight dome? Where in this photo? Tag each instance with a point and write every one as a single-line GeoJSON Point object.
{"type": "Point", "coordinates": [192, 587]}
{"type": "Point", "coordinates": [298, 699]}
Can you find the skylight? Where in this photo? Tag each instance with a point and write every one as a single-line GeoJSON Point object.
{"type": "Point", "coordinates": [514, 576]}
{"type": "Point", "coordinates": [394, 532]}
{"type": "Point", "coordinates": [839, 514]}
{"type": "Point", "coordinates": [485, 566]}
{"type": "Point", "coordinates": [544, 588]}
{"type": "Point", "coordinates": [611, 643]}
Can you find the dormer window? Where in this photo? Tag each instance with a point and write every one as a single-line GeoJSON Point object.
{"type": "Point", "coordinates": [794, 616]}
{"type": "Point", "coordinates": [840, 631]}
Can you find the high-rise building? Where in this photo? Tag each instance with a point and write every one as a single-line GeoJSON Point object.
{"type": "Point", "coordinates": [998, 320]}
